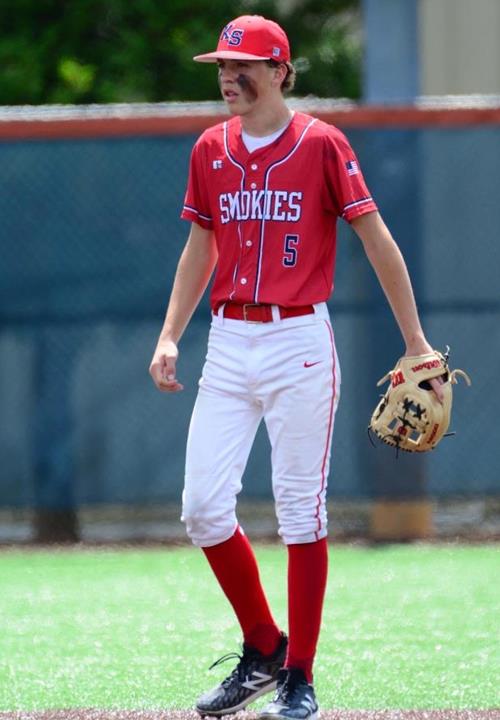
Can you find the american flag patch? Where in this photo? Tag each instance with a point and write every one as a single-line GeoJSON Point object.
{"type": "Point", "coordinates": [352, 167]}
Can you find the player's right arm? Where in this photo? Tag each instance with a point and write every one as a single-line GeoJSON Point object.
{"type": "Point", "coordinates": [194, 271]}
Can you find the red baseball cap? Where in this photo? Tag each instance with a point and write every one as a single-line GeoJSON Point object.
{"type": "Point", "coordinates": [250, 37]}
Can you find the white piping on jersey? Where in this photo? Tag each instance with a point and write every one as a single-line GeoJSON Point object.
{"type": "Point", "coordinates": [237, 164]}
{"type": "Point", "coordinates": [266, 181]}
{"type": "Point", "coordinates": [236, 267]}
{"type": "Point", "coordinates": [192, 209]}
{"type": "Point", "coordinates": [357, 202]}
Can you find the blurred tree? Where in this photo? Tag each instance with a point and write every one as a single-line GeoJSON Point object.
{"type": "Point", "coordinates": [84, 51]}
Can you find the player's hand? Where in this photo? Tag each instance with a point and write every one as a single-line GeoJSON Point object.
{"type": "Point", "coordinates": [436, 383]}
{"type": "Point", "coordinates": [422, 348]}
{"type": "Point", "coordinates": [162, 368]}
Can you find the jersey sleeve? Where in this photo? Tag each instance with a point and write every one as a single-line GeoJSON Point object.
{"type": "Point", "coordinates": [196, 206]}
{"type": "Point", "coordinates": [347, 193]}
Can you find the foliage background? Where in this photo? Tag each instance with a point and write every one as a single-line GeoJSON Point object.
{"type": "Point", "coordinates": [101, 51]}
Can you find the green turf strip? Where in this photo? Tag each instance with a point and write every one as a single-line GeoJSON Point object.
{"type": "Point", "coordinates": [404, 627]}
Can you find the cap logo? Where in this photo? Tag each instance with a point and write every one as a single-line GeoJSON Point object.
{"type": "Point", "coordinates": [276, 52]}
{"type": "Point", "coordinates": [233, 36]}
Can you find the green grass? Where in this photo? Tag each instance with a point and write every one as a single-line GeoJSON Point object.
{"type": "Point", "coordinates": [404, 627]}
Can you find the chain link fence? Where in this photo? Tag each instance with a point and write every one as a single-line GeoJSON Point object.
{"type": "Point", "coordinates": [90, 236]}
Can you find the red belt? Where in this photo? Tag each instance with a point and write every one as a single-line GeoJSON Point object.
{"type": "Point", "coordinates": [263, 313]}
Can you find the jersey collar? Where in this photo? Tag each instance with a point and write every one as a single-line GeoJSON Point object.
{"type": "Point", "coordinates": [282, 145]}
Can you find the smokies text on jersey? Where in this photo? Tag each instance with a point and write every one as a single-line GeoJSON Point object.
{"type": "Point", "coordinates": [280, 205]}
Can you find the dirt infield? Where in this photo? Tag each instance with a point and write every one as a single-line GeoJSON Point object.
{"type": "Point", "coordinates": [92, 714]}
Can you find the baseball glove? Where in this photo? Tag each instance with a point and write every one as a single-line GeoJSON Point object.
{"type": "Point", "coordinates": [409, 416]}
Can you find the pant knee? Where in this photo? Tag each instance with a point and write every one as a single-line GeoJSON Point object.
{"type": "Point", "coordinates": [207, 526]}
{"type": "Point", "coordinates": [301, 518]}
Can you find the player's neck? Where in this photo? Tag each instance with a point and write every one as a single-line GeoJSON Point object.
{"type": "Point", "coordinates": [267, 120]}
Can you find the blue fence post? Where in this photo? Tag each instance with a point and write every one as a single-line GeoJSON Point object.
{"type": "Point", "coordinates": [391, 76]}
{"type": "Point", "coordinates": [55, 518]}
{"type": "Point", "coordinates": [391, 68]}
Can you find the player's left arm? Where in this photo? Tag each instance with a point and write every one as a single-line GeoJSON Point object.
{"type": "Point", "coordinates": [390, 268]}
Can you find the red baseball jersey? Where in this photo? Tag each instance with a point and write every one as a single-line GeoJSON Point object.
{"type": "Point", "coordinates": [274, 210]}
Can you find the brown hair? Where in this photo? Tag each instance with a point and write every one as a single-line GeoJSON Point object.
{"type": "Point", "coordinates": [288, 83]}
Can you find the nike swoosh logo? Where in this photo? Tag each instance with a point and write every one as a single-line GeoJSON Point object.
{"type": "Point", "coordinates": [308, 364]}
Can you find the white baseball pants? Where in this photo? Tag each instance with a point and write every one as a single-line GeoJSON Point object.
{"type": "Point", "coordinates": [287, 373]}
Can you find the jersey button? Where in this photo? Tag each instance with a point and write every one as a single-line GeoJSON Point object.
{"type": "Point", "coordinates": [254, 166]}
{"type": "Point", "coordinates": [243, 281]}
{"type": "Point", "coordinates": [248, 243]}
{"type": "Point", "coordinates": [253, 186]}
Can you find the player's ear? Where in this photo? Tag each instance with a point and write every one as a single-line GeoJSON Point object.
{"type": "Point", "coordinates": [279, 74]}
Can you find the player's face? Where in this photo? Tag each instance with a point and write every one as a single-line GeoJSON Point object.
{"type": "Point", "coordinates": [246, 84]}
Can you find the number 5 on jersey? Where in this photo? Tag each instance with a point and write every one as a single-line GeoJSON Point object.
{"type": "Point", "coordinates": [290, 251]}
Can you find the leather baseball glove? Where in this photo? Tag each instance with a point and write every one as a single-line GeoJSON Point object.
{"type": "Point", "coordinates": [409, 416]}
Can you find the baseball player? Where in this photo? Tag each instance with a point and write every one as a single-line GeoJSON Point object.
{"type": "Point", "coordinates": [264, 193]}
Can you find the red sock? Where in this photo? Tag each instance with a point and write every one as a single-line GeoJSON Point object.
{"type": "Point", "coordinates": [307, 574]}
{"type": "Point", "coordinates": [235, 567]}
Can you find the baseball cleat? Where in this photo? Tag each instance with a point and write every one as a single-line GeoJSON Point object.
{"type": "Point", "coordinates": [294, 699]}
{"type": "Point", "coordinates": [254, 675]}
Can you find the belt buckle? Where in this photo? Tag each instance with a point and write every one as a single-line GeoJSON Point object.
{"type": "Point", "coordinates": [245, 310]}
